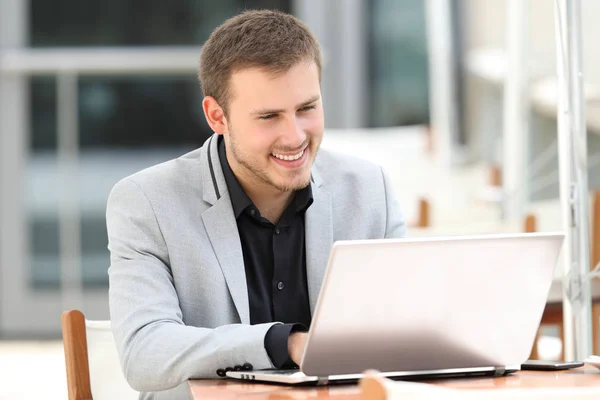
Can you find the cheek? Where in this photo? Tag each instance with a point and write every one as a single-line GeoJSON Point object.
{"type": "Point", "coordinates": [258, 140]}
{"type": "Point", "coordinates": [313, 123]}
{"type": "Point", "coordinates": [316, 124]}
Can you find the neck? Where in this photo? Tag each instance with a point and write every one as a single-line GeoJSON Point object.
{"type": "Point", "coordinates": [270, 201]}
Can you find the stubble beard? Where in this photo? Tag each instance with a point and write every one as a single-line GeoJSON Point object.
{"type": "Point", "coordinates": [261, 174]}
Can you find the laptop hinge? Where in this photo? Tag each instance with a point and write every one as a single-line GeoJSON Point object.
{"type": "Point", "coordinates": [500, 371]}
{"type": "Point", "coordinates": [322, 380]}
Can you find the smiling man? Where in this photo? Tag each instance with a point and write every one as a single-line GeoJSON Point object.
{"type": "Point", "coordinates": [217, 257]}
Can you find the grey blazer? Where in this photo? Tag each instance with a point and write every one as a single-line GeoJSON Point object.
{"type": "Point", "coordinates": [178, 296]}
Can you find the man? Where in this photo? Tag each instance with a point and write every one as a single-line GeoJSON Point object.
{"type": "Point", "coordinates": [217, 257]}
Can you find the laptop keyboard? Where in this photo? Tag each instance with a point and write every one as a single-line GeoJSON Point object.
{"type": "Point", "coordinates": [282, 371]}
{"type": "Point", "coordinates": [288, 371]}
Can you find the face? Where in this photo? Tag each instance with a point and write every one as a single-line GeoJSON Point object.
{"type": "Point", "coordinates": [274, 127]}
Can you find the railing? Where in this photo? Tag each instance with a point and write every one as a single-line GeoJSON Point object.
{"type": "Point", "coordinates": [67, 64]}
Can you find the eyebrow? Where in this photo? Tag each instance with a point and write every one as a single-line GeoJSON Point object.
{"type": "Point", "coordinates": [277, 111]}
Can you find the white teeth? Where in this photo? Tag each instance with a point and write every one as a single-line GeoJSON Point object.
{"type": "Point", "coordinates": [288, 158]}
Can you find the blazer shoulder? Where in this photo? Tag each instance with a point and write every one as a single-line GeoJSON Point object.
{"type": "Point", "coordinates": [170, 171]}
{"type": "Point", "coordinates": [333, 166]}
{"type": "Point", "coordinates": [169, 175]}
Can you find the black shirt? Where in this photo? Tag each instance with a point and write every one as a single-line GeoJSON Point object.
{"type": "Point", "coordinates": [275, 264]}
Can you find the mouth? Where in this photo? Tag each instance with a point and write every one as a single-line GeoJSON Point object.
{"type": "Point", "coordinates": [294, 160]}
{"type": "Point", "coordinates": [289, 157]}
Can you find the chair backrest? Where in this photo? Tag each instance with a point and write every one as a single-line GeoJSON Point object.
{"type": "Point", "coordinates": [92, 363]}
{"type": "Point", "coordinates": [373, 387]}
{"type": "Point", "coordinates": [528, 224]}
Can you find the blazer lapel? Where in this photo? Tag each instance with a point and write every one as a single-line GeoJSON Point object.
{"type": "Point", "coordinates": [221, 228]}
{"type": "Point", "coordinates": [319, 238]}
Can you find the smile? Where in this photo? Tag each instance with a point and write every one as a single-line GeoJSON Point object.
{"type": "Point", "coordinates": [291, 157]}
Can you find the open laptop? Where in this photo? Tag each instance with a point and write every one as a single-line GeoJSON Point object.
{"type": "Point", "coordinates": [425, 307]}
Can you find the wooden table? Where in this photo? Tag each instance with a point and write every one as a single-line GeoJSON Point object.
{"type": "Point", "coordinates": [229, 389]}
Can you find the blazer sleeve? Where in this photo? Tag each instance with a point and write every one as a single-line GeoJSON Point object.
{"type": "Point", "coordinates": [395, 223]}
{"type": "Point", "coordinates": [156, 349]}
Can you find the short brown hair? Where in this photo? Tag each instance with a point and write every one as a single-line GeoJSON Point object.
{"type": "Point", "coordinates": [272, 40]}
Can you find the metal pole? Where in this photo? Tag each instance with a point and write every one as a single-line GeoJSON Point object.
{"type": "Point", "coordinates": [516, 113]}
{"type": "Point", "coordinates": [572, 147]}
{"type": "Point", "coordinates": [442, 87]}
{"type": "Point", "coordinates": [68, 173]}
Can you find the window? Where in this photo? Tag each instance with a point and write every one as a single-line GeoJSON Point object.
{"type": "Point", "coordinates": [398, 63]}
{"type": "Point", "coordinates": [125, 123]}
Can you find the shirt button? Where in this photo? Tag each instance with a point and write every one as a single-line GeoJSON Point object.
{"type": "Point", "coordinates": [280, 285]}
{"type": "Point", "coordinates": [252, 211]}
{"type": "Point", "coordinates": [277, 231]}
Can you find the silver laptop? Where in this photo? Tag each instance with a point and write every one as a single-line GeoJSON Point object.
{"type": "Point", "coordinates": [425, 307]}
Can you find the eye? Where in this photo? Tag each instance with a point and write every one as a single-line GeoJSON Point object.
{"type": "Point", "coordinates": [268, 116]}
{"type": "Point", "coordinates": [308, 108]}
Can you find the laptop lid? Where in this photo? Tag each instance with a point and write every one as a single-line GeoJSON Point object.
{"type": "Point", "coordinates": [430, 303]}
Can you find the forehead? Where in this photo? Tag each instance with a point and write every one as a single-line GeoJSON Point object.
{"type": "Point", "coordinates": [259, 87]}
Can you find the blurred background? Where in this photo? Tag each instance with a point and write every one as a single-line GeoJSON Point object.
{"type": "Point", "coordinates": [93, 91]}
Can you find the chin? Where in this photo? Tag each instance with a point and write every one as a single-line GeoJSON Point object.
{"type": "Point", "coordinates": [303, 183]}
{"type": "Point", "coordinates": [295, 184]}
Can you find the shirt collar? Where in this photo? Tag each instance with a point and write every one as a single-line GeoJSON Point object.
{"type": "Point", "coordinates": [303, 198]}
{"type": "Point", "coordinates": [240, 200]}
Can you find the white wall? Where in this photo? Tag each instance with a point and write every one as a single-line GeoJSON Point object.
{"type": "Point", "coordinates": [485, 26]}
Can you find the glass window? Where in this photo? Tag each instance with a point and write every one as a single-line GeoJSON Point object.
{"type": "Point", "coordinates": [124, 112]}
{"type": "Point", "coordinates": [398, 63]}
{"type": "Point", "coordinates": [125, 123]}
{"type": "Point", "coordinates": [133, 22]}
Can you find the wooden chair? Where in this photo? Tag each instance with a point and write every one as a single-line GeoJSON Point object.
{"type": "Point", "coordinates": [495, 176]}
{"type": "Point", "coordinates": [426, 228]}
{"type": "Point", "coordinates": [373, 388]}
{"type": "Point", "coordinates": [423, 214]}
{"type": "Point", "coordinates": [99, 356]}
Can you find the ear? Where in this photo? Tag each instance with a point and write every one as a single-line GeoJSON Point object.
{"type": "Point", "coordinates": [214, 115]}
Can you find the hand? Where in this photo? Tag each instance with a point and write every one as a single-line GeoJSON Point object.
{"type": "Point", "coordinates": [296, 343]}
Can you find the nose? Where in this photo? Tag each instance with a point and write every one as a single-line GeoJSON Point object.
{"type": "Point", "coordinates": [293, 136]}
